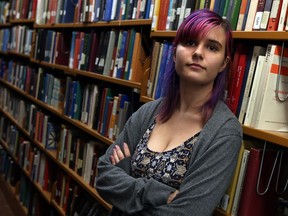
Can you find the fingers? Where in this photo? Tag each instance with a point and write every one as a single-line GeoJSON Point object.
{"type": "Point", "coordinates": [126, 150]}
{"type": "Point", "coordinates": [172, 196]}
{"type": "Point", "coordinates": [112, 159]}
{"type": "Point", "coordinates": [118, 152]}
{"type": "Point", "coordinates": [118, 155]}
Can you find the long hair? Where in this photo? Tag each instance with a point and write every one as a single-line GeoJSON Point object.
{"type": "Point", "coordinates": [196, 25]}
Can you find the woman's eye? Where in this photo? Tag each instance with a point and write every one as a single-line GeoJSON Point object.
{"type": "Point", "coordinates": [190, 43]}
{"type": "Point", "coordinates": [212, 48]}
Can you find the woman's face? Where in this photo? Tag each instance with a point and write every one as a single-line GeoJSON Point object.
{"type": "Point", "coordinates": [199, 61]}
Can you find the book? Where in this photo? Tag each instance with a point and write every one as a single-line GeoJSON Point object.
{"type": "Point", "coordinates": [233, 72]}
{"type": "Point", "coordinates": [257, 50]}
{"type": "Point", "coordinates": [262, 83]}
{"type": "Point", "coordinates": [239, 76]}
{"type": "Point", "coordinates": [240, 180]}
{"type": "Point", "coordinates": [68, 12]}
{"type": "Point", "coordinates": [266, 15]}
{"type": "Point", "coordinates": [251, 14]}
{"type": "Point", "coordinates": [227, 199]}
{"type": "Point", "coordinates": [109, 54]}
{"type": "Point", "coordinates": [155, 58]}
{"type": "Point", "coordinates": [274, 15]}
{"type": "Point", "coordinates": [283, 16]}
{"type": "Point", "coordinates": [267, 119]}
{"type": "Point", "coordinates": [235, 10]}
{"type": "Point", "coordinates": [255, 200]}
{"type": "Point", "coordinates": [258, 15]}
{"type": "Point", "coordinates": [254, 91]}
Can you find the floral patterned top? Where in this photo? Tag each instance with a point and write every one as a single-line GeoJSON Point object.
{"type": "Point", "coordinates": [168, 167]}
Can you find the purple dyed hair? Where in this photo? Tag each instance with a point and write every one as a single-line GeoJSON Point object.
{"type": "Point", "coordinates": [196, 25]}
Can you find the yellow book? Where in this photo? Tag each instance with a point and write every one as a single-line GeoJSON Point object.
{"type": "Point", "coordinates": [227, 200]}
{"type": "Point", "coordinates": [155, 15]}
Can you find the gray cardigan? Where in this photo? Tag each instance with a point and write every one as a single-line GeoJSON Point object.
{"type": "Point", "coordinates": [211, 167]}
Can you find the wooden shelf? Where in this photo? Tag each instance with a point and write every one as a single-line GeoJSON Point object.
{"type": "Point", "coordinates": [139, 22]}
{"type": "Point", "coordinates": [251, 35]}
{"type": "Point", "coordinates": [22, 21]}
{"type": "Point", "coordinates": [279, 138]}
{"type": "Point", "coordinates": [89, 74]}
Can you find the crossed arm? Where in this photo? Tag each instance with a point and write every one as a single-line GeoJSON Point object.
{"type": "Point", "coordinates": [118, 155]}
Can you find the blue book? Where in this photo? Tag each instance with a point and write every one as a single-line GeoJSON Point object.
{"type": "Point", "coordinates": [48, 45]}
{"type": "Point", "coordinates": [162, 69]}
{"type": "Point", "coordinates": [245, 15]}
{"type": "Point", "coordinates": [121, 55]}
{"type": "Point", "coordinates": [147, 10]}
{"type": "Point", "coordinates": [105, 114]}
{"type": "Point", "coordinates": [68, 11]}
{"type": "Point", "coordinates": [78, 101]}
{"type": "Point", "coordinates": [52, 136]}
{"type": "Point", "coordinates": [107, 10]}
{"type": "Point", "coordinates": [97, 10]}
{"type": "Point", "coordinates": [217, 5]}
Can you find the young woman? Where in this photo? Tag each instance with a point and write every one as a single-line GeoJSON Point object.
{"type": "Point", "coordinates": [176, 155]}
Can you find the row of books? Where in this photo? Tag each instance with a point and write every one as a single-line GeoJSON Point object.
{"type": "Point", "coordinates": [244, 15]}
{"type": "Point", "coordinates": [16, 39]}
{"type": "Point", "coordinates": [66, 11]}
{"type": "Point", "coordinates": [85, 102]}
{"type": "Point", "coordinates": [38, 125]}
{"type": "Point", "coordinates": [74, 201]}
{"type": "Point", "coordinates": [258, 181]}
{"type": "Point", "coordinates": [22, 9]}
{"type": "Point", "coordinates": [168, 15]}
{"type": "Point", "coordinates": [115, 53]}
{"type": "Point", "coordinates": [79, 155]}
{"type": "Point", "coordinates": [68, 194]}
{"type": "Point", "coordinates": [257, 86]}
{"type": "Point", "coordinates": [29, 158]}
{"type": "Point", "coordinates": [162, 52]}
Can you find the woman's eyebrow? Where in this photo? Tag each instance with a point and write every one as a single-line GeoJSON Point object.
{"type": "Point", "coordinates": [215, 42]}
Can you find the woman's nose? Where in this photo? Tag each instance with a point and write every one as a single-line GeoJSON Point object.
{"type": "Point", "coordinates": [198, 52]}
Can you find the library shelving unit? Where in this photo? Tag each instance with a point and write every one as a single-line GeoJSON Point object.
{"type": "Point", "coordinates": [57, 196]}
{"type": "Point", "coordinates": [9, 115]}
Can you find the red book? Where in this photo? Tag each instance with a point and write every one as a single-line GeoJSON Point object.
{"type": "Point", "coordinates": [34, 8]}
{"type": "Point", "coordinates": [76, 50]}
{"type": "Point", "coordinates": [251, 203]}
{"type": "Point", "coordinates": [46, 177]}
{"type": "Point", "coordinates": [274, 17]}
{"type": "Point", "coordinates": [95, 42]}
{"type": "Point", "coordinates": [232, 73]}
{"type": "Point", "coordinates": [238, 80]}
{"type": "Point", "coordinates": [62, 49]}
{"type": "Point", "coordinates": [163, 14]}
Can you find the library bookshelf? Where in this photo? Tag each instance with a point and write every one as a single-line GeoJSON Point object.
{"type": "Point", "coordinates": [139, 87]}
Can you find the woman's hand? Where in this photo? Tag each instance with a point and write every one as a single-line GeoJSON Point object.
{"type": "Point", "coordinates": [172, 196]}
{"type": "Point", "coordinates": [117, 154]}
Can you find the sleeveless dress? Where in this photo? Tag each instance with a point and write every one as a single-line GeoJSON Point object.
{"type": "Point", "coordinates": [168, 167]}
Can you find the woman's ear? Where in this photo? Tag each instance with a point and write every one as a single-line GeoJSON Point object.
{"type": "Point", "coordinates": [225, 63]}
{"type": "Point", "coordinates": [174, 54]}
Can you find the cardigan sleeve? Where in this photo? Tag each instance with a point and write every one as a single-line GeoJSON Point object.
{"type": "Point", "coordinates": [211, 168]}
{"type": "Point", "coordinates": [114, 182]}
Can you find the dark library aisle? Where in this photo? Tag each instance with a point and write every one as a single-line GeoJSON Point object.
{"type": "Point", "coordinates": [5, 209]}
